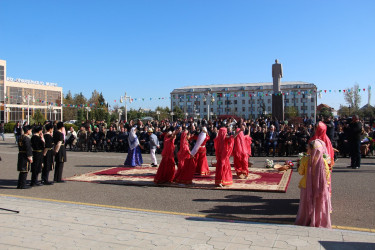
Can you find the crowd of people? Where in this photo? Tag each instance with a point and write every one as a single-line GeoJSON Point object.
{"type": "Point", "coordinates": [186, 143]}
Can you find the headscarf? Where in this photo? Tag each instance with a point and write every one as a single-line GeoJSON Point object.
{"type": "Point", "coordinates": [133, 140]}
{"type": "Point", "coordinates": [240, 148]}
{"type": "Point", "coordinates": [320, 133]}
{"type": "Point", "coordinates": [223, 150]}
{"type": "Point", "coordinates": [317, 188]}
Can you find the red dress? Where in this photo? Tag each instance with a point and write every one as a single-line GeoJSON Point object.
{"type": "Point", "coordinates": [166, 170]}
{"type": "Point", "coordinates": [241, 152]}
{"type": "Point", "coordinates": [186, 164]}
{"type": "Point", "coordinates": [201, 159]}
{"type": "Point", "coordinates": [223, 149]}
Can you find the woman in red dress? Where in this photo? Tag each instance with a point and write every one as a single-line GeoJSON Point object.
{"type": "Point", "coordinates": [241, 153]}
{"type": "Point", "coordinates": [223, 150]}
{"type": "Point", "coordinates": [200, 153]}
{"type": "Point", "coordinates": [186, 162]}
{"type": "Point", "coordinates": [166, 170]}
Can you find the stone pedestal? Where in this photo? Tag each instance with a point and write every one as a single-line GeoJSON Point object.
{"type": "Point", "coordinates": [278, 107]}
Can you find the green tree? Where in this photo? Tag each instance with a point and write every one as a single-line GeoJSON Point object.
{"type": "Point", "coordinates": [38, 117]}
{"type": "Point", "coordinates": [290, 112]}
{"type": "Point", "coordinates": [178, 113]}
{"type": "Point", "coordinates": [325, 112]}
{"type": "Point", "coordinates": [353, 98]}
{"type": "Point", "coordinates": [70, 113]}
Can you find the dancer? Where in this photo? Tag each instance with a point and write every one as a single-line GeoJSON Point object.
{"type": "Point", "coordinates": [186, 162]}
{"type": "Point", "coordinates": [241, 153]}
{"type": "Point", "coordinates": [166, 170]}
{"type": "Point", "coordinates": [223, 148]}
{"type": "Point", "coordinates": [37, 143]}
{"type": "Point", "coordinates": [60, 153]}
{"type": "Point", "coordinates": [48, 154]}
{"type": "Point", "coordinates": [315, 199]}
{"type": "Point", "coordinates": [25, 157]}
{"type": "Point", "coordinates": [134, 157]}
{"type": "Point", "coordinates": [200, 153]}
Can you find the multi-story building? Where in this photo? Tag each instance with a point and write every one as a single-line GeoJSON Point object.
{"type": "Point", "coordinates": [20, 98]}
{"type": "Point", "coordinates": [248, 100]}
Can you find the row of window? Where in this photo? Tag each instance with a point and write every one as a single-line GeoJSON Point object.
{"type": "Point", "coordinates": [235, 109]}
{"type": "Point", "coordinates": [40, 97]}
{"type": "Point", "coordinates": [258, 101]}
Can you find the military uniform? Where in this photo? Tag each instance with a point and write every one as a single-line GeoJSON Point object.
{"type": "Point", "coordinates": [36, 167]}
{"type": "Point", "coordinates": [23, 164]}
{"type": "Point", "coordinates": [60, 156]}
{"type": "Point", "coordinates": [48, 158]}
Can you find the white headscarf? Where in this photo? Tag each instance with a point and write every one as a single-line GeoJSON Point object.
{"type": "Point", "coordinates": [133, 140]}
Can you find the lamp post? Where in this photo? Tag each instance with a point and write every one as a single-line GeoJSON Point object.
{"type": "Point", "coordinates": [349, 110]}
{"type": "Point", "coordinates": [124, 99]}
{"type": "Point", "coordinates": [88, 109]}
{"type": "Point", "coordinates": [55, 112]}
{"type": "Point", "coordinates": [8, 114]}
{"type": "Point", "coordinates": [158, 113]}
{"type": "Point", "coordinates": [50, 108]}
{"type": "Point", "coordinates": [28, 97]}
{"type": "Point", "coordinates": [208, 104]}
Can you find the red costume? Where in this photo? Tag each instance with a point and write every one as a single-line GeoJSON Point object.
{"type": "Point", "coordinates": [223, 148]}
{"type": "Point", "coordinates": [166, 170]}
{"type": "Point", "coordinates": [201, 159]}
{"type": "Point", "coordinates": [186, 163]}
{"type": "Point", "coordinates": [241, 152]}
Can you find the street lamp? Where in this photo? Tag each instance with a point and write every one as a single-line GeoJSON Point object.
{"type": "Point", "coordinates": [88, 109]}
{"type": "Point", "coordinates": [55, 112]}
{"type": "Point", "coordinates": [208, 104]}
{"type": "Point", "coordinates": [27, 98]}
{"type": "Point", "coordinates": [124, 99]}
{"type": "Point", "coordinates": [158, 113]}
{"type": "Point", "coordinates": [50, 108]}
{"type": "Point", "coordinates": [8, 112]}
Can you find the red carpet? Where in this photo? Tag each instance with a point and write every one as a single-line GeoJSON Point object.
{"type": "Point", "coordinates": [259, 179]}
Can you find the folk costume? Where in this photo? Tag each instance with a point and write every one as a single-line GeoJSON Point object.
{"type": "Point", "coordinates": [134, 157]}
{"type": "Point", "coordinates": [37, 143]}
{"type": "Point", "coordinates": [48, 156]}
{"type": "Point", "coordinates": [200, 153]}
{"type": "Point", "coordinates": [223, 148]}
{"type": "Point", "coordinates": [166, 170]}
{"type": "Point", "coordinates": [186, 163]}
{"type": "Point", "coordinates": [60, 153]}
{"type": "Point", "coordinates": [25, 157]}
{"type": "Point", "coordinates": [315, 199]}
{"type": "Point", "coordinates": [241, 153]}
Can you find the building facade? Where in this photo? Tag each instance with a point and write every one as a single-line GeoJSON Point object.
{"type": "Point", "coordinates": [248, 100]}
{"type": "Point", "coordinates": [20, 98]}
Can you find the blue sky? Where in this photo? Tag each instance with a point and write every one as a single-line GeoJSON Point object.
{"type": "Point", "coordinates": [148, 48]}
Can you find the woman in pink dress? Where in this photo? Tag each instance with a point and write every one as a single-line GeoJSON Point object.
{"type": "Point", "coordinates": [223, 150]}
{"type": "Point", "coordinates": [241, 153]}
{"type": "Point", "coordinates": [166, 170]}
{"type": "Point", "coordinates": [186, 162]}
{"type": "Point", "coordinates": [315, 199]}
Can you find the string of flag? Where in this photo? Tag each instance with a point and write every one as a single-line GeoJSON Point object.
{"type": "Point", "coordinates": [188, 96]}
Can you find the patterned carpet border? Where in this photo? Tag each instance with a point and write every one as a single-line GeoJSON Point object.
{"type": "Point", "coordinates": [259, 179]}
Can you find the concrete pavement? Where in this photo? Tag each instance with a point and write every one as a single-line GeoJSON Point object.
{"type": "Point", "coordinates": [50, 224]}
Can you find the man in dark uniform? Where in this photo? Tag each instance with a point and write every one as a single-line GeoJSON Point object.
{"type": "Point", "coordinates": [25, 157]}
{"type": "Point", "coordinates": [48, 154]}
{"type": "Point", "coordinates": [60, 153]}
{"type": "Point", "coordinates": [37, 143]}
{"type": "Point", "coordinates": [355, 128]}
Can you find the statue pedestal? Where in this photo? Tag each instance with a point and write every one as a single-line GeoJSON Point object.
{"type": "Point", "coordinates": [278, 107]}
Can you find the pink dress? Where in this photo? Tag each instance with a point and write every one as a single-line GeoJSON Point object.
{"type": "Point", "coordinates": [223, 149]}
{"type": "Point", "coordinates": [186, 164]}
{"type": "Point", "coordinates": [315, 199]}
{"type": "Point", "coordinates": [241, 152]}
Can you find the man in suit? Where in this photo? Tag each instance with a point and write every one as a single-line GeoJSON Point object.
{"type": "Point", "coordinates": [271, 140]}
{"type": "Point", "coordinates": [154, 144]}
{"type": "Point", "coordinates": [355, 129]}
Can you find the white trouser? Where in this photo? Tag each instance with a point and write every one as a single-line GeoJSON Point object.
{"type": "Point", "coordinates": [153, 156]}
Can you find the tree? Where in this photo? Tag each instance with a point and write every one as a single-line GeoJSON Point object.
{"type": "Point", "coordinates": [343, 111]}
{"type": "Point", "coordinates": [325, 112]}
{"type": "Point", "coordinates": [178, 113]}
{"type": "Point", "coordinates": [353, 98]}
{"type": "Point", "coordinates": [70, 113]}
{"type": "Point", "coordinates": [290, 112]}
{"type": "Point", "coordinates": [38, 117]}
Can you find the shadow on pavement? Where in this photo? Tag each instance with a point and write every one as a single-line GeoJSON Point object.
{"type": "Point", "coordinates": [8, 184]}
{"type": "Point", "coordinates": [332, 245]}
{"type": "Point", "coordinates": [260, 209]}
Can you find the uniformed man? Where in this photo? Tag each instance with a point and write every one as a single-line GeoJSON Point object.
{"type": "Point", "coordinates": [25, 157]}
{"type": "Point", "coordinates": [48, 154]}
{"type": "Point", "coordinates": [37, 143]}
{"type": "Point", "coordinates": [60, 153]}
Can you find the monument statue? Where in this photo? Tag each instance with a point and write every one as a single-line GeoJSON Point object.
{"type": "Point", "coordinates": [277, 74]}
{"type": "Point", "coordinates": [277, 98]}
